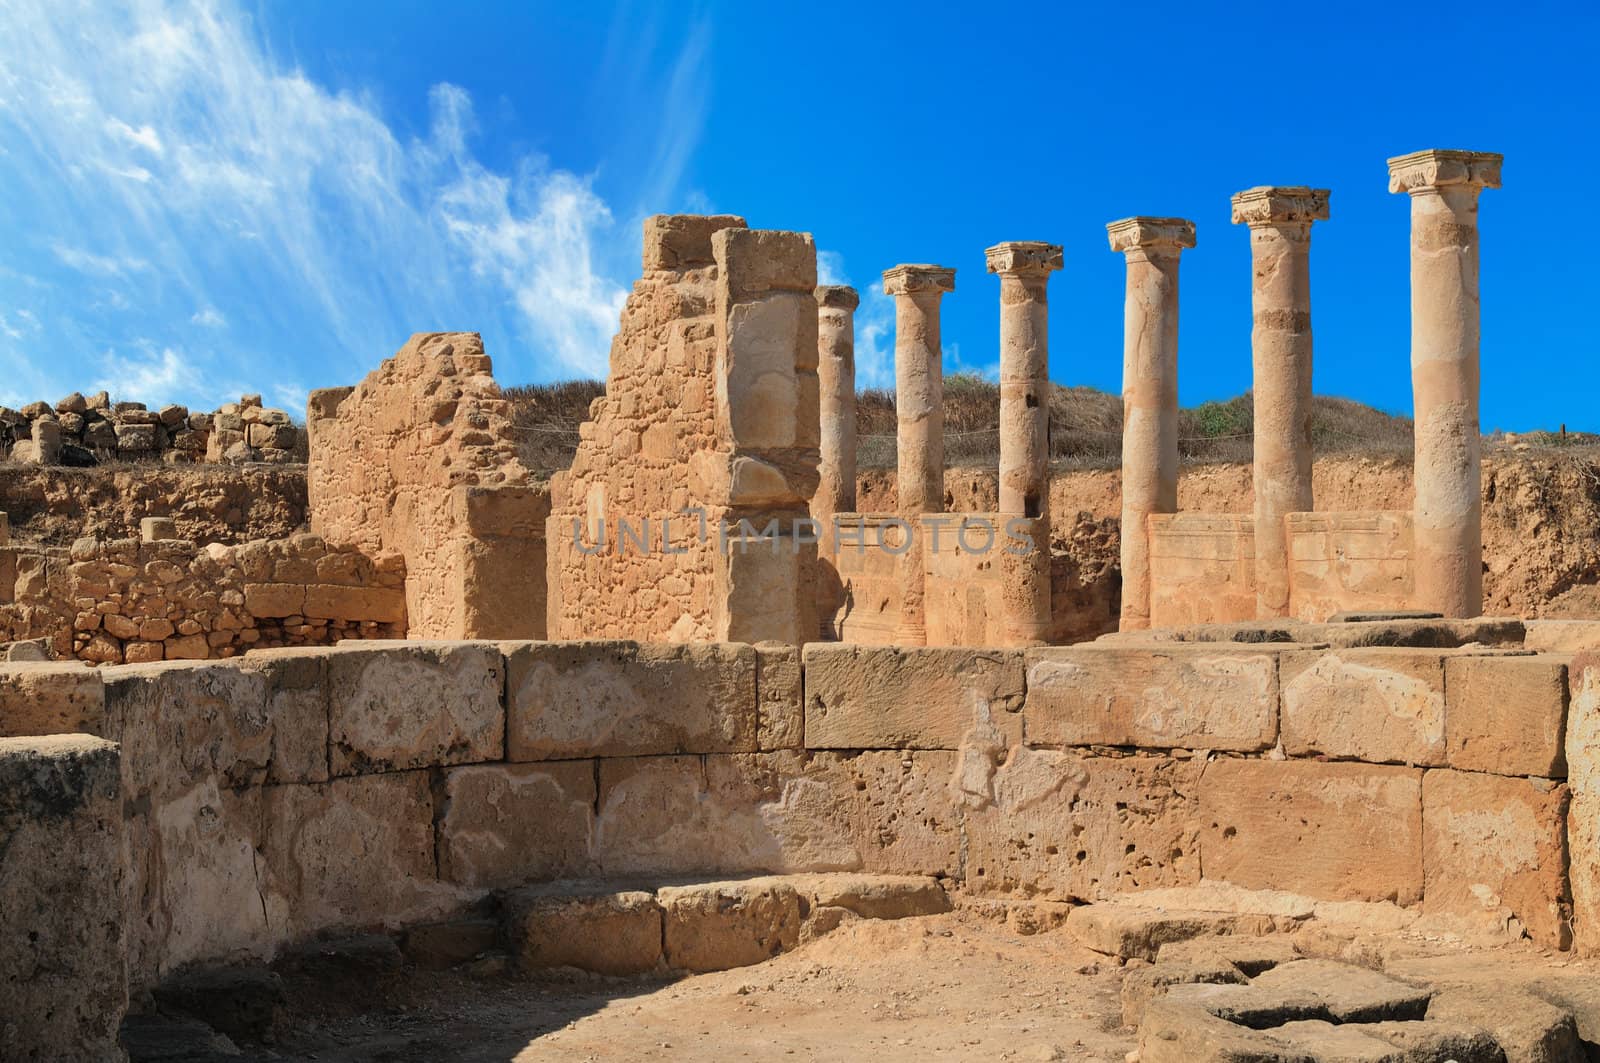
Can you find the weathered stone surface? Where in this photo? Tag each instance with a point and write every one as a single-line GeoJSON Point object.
{"type": "Point", "coordinates": [860, 697]}
{"type": "Point", "coordinates": [47, 698]}
{"type": "Point", "coordinates": [1144, 984]}
{"type": "Point", "coordinates": [1130, 931]}
{"type": "Point", "coordinates": [1330, 831]}
{"type": "Point", "coordinates": [1349, 994]}
{"type": "Point", "coordinates": [873, 896]}
{"type": "Point", "coordinates": [63, 987]}
{"type": "Point", "coordinates": [511, 824]}
{"type": "Point", "coordinates": [436, 946]}
{"type": "Point", "coordinates": [1251, 955]}
{"type": "Point", "coordinates": [1506, 715]}
{"type": "Point", "coordinates": [353, 852]}
{"type": "Point", "coordinates": [588, 927]}
{"type": "Point", "coordinates": [1376, 705]}
{"type": "Point", "coordinates": [241, 1002]}
{"type": "Point", "coordinates": [1070, 827]}
{"type": "Point", "coordinates": [1527, 1029]}
{"type": "Point", "coordinates": [1582, 749]}
{"type": "Point", "coordinates": [392, 708]}
{"type": "Point", "coordinates": [715, 926]}
{"type": "Point", "coordinates": [618, 699]}
{"type": "Point", "coordinates": [1194, 698]}
{"type": "Point", "coordinates": [1491, 843]}
{"type": "Point", "coordinates": [780, 694]}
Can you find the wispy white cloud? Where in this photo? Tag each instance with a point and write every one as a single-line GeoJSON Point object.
{"type": "Point", "coordinates": [173, 173]}
{"type": "Point", "coordinates": [155, 376]}
{"type": "Point", "coordinates": [874, 321]}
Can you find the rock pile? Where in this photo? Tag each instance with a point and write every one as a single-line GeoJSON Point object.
{"type": "Point", "coordinates": [81, 432]}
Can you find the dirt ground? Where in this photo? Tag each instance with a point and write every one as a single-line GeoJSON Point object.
{"type": "Point", "coordinates": [944, 987]}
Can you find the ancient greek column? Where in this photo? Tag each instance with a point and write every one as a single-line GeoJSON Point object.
{"type": "Point", "coordinates": [836, 373]}
{"type": "Point", "coordinates": [919, 412]}
{"type": "Point", "coordinates": [1448, 512]}
{"type": "Point", "coordinates": [1280, 350]}
{"type": "Point", "coordinates": [1149, 394]}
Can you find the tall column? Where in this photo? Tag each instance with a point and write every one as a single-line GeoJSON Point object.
{"type": "Point", "coordinates": [919, 425]}
{"type": "Point", "coordinates": [1280, 351]}
{"type": "Point", "coordinates": [1024, 267]}
{"type": "Point", "coordinates": [1149, 394]}
{"type": "Point", "coordinates": [836, 376]}
{"type": "Point", "coordinates": [1448, 547]}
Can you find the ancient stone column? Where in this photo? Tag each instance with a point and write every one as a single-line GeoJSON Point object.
{"type": "Point", "coordinates": [1149, 394]}
{"type": "Point", "coordinates": [836, 373]}
{"type": "Point", "coordinates": [919, 424]}
{"type": "Point", "coordinates": [1024, 267]}
{"type": "Point", "coordinates": [1448, 549]}
{"type": "Point", "coordinates": [1280, 350]}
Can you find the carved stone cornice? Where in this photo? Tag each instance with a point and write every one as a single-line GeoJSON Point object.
{"type": "Point", "coordinates": [1280, 205]}
{"type": "Point", "coordinates": [1424, 170]}
{"type": "Point", "coordinates": [1142, 233]}
{"type": "Point", "coordinates": [837, 296]}
{"type": "Point", "coordinates": [1023, 256]}
{"type": "Point", "coordinates": [918, 279]}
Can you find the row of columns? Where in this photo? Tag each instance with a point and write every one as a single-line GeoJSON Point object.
{"type": "Point", "coordinates": [1443, 186]}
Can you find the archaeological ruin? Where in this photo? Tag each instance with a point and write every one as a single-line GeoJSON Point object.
{"type": "Point", "coordinates": [698, 702]}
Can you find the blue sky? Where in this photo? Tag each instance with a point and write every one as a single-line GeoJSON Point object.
{"type": "Point", "coordinates": [199, 199]}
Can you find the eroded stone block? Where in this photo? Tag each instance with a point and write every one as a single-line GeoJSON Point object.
{"type": "Point", "coordinates": [1506, 715]}
{"type": "Point", "coordinates": [47, 698]}
{"type": "Point", "coordinates": [1329, 831]}
{"type": "Point", "coordinates": [512, 824]}
{"type": "Point", "coordinates": [715, 926]}
{"type": "Point", "coordinates": [1377, 705]}
{"type": "Point", "coordinates": [587, 927]}
{"type": "Point", "coordinates": [780, 694]}
{"type": "Point", "coordinates": [1192, 698]}
{"type": "Point", "coordinates": [398, 707]}
{"type": "Point", "coordinates": [883, 697]}
{"type": "Point", "coordinates": [616, 699]}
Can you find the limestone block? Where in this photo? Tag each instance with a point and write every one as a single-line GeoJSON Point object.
{"type": "Point", "coordinates": [716, 926]}
{"type": "Point", "coordinates": [680, 241]}
{"type": "Point", "coordinates": [752, 262]}
{"type": "Point", "coordinates": [1324, 830]}
{"type": "Point", "coordinates": [155, 529]}
{"type": "Point", "coordinates": [1057, 825]}
{"type": "Point", "coordinates": [880, 697]}
{"type": "Point", "coordinates": [275, 600]}
{"type": "Point", "coordinates": [612, 699]}
{"type": "Point", "coordinates": [1506, 715]}
{"type": "Point", "coordinates": [354, 852]}
{"type": "Point", "coordinates": [1130, 931]}
{"type": "Point", "coordinates": [780, 712]}
{"type": "Point", "coordinates": [136, 438]}
{"type": "Point", "coordinates": [758, 387]}
{"type": "Point", "coordinates": [63, 987]}
{"type": "Point", "coordinates": [297, 703]}
{"type": "Point", "coordinates": [382, 605]}
{"type": "Point", "coordinates": [511, 824]}
{"type": "Point", "coordinates": [573, 925]}
{"type": "Point", "coordinates": [1491, 843]}
{"type": "Point", "coordinates": [1205, 697]}
{"type": "Point", "coordinates": [759, 592]}
{"type": "Point", "coordinates": [1583, 819]}
{"type": "Point", "coordinates": [417, 705]}
{"type": "Point", "coordinates": [1378, 705]}
{"type": "Point", "coordinates": [48, 698]}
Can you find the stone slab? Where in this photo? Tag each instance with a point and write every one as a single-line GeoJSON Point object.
{"type": "Point", "coordinates": [1324, 830]}
{"type": "Point", "coordinates": [1507, 715]}
{"type": "Point", "coordinates": [716, 926]}
{"type": "Point", "coordinates": [620, 699]}
{"type": "Point", "coordinates": [1193, 698]}
{"type": "Point", "coordinates": [588, 927]}
{"type": "Point", "coordinates": [512, 824]}
{"type": "Point", "coordinates": [1132, 932]}
{"type": "Point", "coordinates": [1377, 705]}
{"type": "Point", "coordinates": [48, 698]}
{"type": "Point", "coordinates": [402, 706]}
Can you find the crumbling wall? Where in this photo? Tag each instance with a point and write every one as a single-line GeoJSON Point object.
{"type": "Point", "coordinates": [419, 460]}
{"type": "Point", "coordinates": [79, 431]}
{"type": "Point", "coordinates": [107, 602]}
{"type": "Point", "coordinates": [710, 417]}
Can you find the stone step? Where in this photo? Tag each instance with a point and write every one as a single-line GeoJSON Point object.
{"type": "Point", "coordinates": [1130, 931]}
{"type": "Point", "coordinates": [623, 929]}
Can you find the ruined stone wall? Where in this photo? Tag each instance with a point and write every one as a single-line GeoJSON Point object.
{"type": "Point", "coordinates": [107, 602]}
{"type": "Point", "coordinates": [710, 416]}
{"type": "Point", "coordinates": [419, 460]}
{"type": "Point", "coordinates": [293, 791]}
{"type": "Point", "coordinates": [79, 431]}
{"type": "Point", "coordinates": [1202, 569]}
{"type": "Point", "coordinates": [1339, 562]}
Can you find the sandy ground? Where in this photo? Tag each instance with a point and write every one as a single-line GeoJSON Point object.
{"type": "Point", "coordinates": [942, 987]}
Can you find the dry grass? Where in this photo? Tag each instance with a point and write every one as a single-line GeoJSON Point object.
{"type": "Point", "coordinates": [1085, 426]}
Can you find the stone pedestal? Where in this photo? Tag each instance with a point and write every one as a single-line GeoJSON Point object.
{"type": "Point", "coordinates": [1024, 268]}
{"type": "Point", "coordinates": [1149, 394]}
{"type": "Point", "coordinates": [836, 378]}
{"type": "Point", "coordinates": [1280, 347]}
{"type": "Point", "coordinates": [919, 411]}
{"type": "Point", "coordinates": [1444, 187]}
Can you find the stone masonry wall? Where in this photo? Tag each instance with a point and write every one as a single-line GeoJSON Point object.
{"type": "Point", "coordinates": [710, 415]}
{"type": "Point", "coordinates": [81, 431]}
{"type": "Point", "coordinates": [293, 791]}
{"type": "Point", "coordinates": [419, 460]}
{"type": "Point", "coordinates": [107, 602]}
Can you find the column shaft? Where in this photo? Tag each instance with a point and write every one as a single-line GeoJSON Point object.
{"type": "Point", "coordinates": [1149, 394]}
{"type": "Point", "coordinates": [1448, 516]}
{"type": "Point", "coordinates": [836, 373]}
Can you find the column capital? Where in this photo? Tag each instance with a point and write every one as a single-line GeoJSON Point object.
{"type": "Point", "coordinates": [1023, 256]}
{"type": "Point", "coordinates": [1423, 171]}
{"type": "Point", "coordinates": [1142, 233]}
{"type": "Point", "coordinates": [837, 296]}
{"type": "Point", "coordinates": [1280, 205]}
{"type": "Point", "coordinates": [917, 278]}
